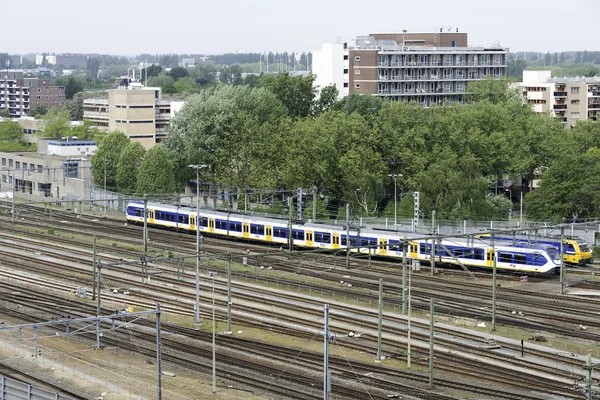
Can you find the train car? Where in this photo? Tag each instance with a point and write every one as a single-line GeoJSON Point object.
{"type": "Point", "coordinates": [522, 258]}
{"type": "Point", "coordinates": [575, 250]}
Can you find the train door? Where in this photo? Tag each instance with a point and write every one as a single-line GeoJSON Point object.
{"type": "Point", "coordinates": [151, 217]}
{"type": "Point", "coordinates": [489, 258]}
{"type": "Point", "coordinates": [336, 241]}
{"type": "Point", "coordinates": [211, 225]}
{"type": "Point", "coordinates": [269, 233]}
{"type": "Point", "coordinates": [245, 230]}
{"type": "Point", "coordinates": [383, 243]}
{"type": "Point", "coordinates": [309, 238]}
{"type": "Point", "coordinates": [414, 251]}
{"type": "Point", "coordinates": [192, 223]}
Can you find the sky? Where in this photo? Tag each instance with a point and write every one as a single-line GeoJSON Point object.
{"type": "Point", "coordinates": [130, 27]}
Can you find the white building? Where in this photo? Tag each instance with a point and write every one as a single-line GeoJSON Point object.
{"type": "Point", "coordinates": [329, 65]}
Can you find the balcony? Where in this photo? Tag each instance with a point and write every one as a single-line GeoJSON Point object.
{"type": "Point", "coordinates": [560, 106]}
{"type": "Point", "coordinates": [383, 77]}
{"type": "Point", "coordinates": [396, 64]}
{"type": "Point", "coordinates": [383, 64]}
{"type": "Point", "coordinates": [448, 63]}
{"type": "Point", "coordinates": [560, 94]}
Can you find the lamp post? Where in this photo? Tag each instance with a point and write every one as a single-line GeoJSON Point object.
{"type": "Point", "coordinates": [395, 177]}
{"type": "Point", "coordinates": [214, 346]}
{"type": "Point", "coordinates": [197, 167]}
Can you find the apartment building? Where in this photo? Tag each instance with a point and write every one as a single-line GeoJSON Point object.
{"type": "Point", "coordinates": [138, 111]}
{"type": "Point", "coordinates": [75, 61]}
{"type": "Point", "coordinates": [428, 68]}
{"type": "Point", "coordinates": [19, 93]}
{"type": "Point", "coordinates": [570, 99]}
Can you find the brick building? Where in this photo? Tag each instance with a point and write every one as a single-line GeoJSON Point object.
{"type": "Point", "coordinates": [19, 93]}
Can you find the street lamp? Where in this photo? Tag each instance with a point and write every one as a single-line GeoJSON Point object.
{"type": "Point", "coordinates": [395, 177]}
{"type": "Point", "coordinates": [197, 167]}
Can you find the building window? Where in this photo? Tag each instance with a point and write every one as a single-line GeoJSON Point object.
{"type": "Point", "coordinates": [357, 85]}
{"type": "Point", "coordinates": [10, 163]}
{"type": "Point", "coordinates": [18, 165]}
{"type": "Point", "coordinates": [357, 58]}
{"type": "Point", "coordinates": [574, 115]}
{"type": "Point", "coordinates": [575, 90]}
{"type": "Point", "coordinates": [25, 165]}
{"type": "Point", "coordinates": [4, 162]}
{"type": "Point", "coordinates": [345, 84]}
{"type": "Point", "coordinates": [71, 169]}
{"type": "Point", "coordinates": [40, 168]}
{"type": "Point", "coordinates": [4, 179]}
{"type": "Point", "coordinates": [345, 56]}
{"type": "Point", "coordinates": [345, 70]}
{"type": "Point", "coordinates": [574, 101]}
{"type": "Point", "coordinates": [357, 72]}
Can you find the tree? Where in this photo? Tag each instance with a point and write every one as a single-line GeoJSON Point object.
{"type": "Point", "coordinates": [56, 124]}
{"type": "Point", "coordinates": [160, 81]}
{"type": "Point", "coordinates": [75, 105]}
{"type": "Point", "coordinates": [10, 131]}
{"type": "Point", "coordinates": [38, 111]}
{"type": "Point", "coordinates": [153, 70]}
{"type": "Point", "coordinates": [251, 80]}
{"type": "Point", "coordinates": [547, 59]}
{"type": "Point", "coordinates": [92, 67]}
{"type": "Point", "coordinates": [85, 131]}
{"type": "Point", "coordinates": [555, 58]}
{"type": "Point", "coordinates": [74, 85]}
{"type": "Point", "coordinates": [297, 93]}
{"type": "Point", "coordinates": [204, 73]}
{"type": "Point", "coordinates": [327, 99]}
{"type": "Point", "coordinates": [515, 69]}
{"type": "Point", "coordinates": [186, 84]}
{"type": "Point", "coordinates": [4, 113]}
{"type": "Point", "coordinates": [363, 104]}
{"type": "Point", "coordinates": [106, 159]}
{"type": "Point", "coordinates": [169, 88]}
{"type": "Point", "coordinates": [494, 90]}
{"type": "Point", "coordinates": [156, 174]}
{"type": "Point", "coordinates": [178, 72]}
{"type": "Point", "coordinates": [128, 167]}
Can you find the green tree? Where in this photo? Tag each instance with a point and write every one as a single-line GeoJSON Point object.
{"type": "Point", "coordinates": [251, 80]}
{"type": "Point", "coordinates": [570, 187]}
{"type": "Point", "coordinates": [156, 174]}
{"type": "Point", "coordinates": [547, 60]}
{"type": "Point", "coordinates": [186, 84]}
{"type": "Point", "coordinates": [160, 81]}
{"type": "Point", "coordinates": [327, 99]}
{"type": "Point", "coordinates": [85, 131]}
{"type": "Point", "coordinates": [297, 93]}
{"type": "Point", "coordinates": [38, 111]}
{"type": "Point", "coordinates": [153, 70]}
{"type": "Point", "coordinates": [56, 124]}
{"type": "Point", "coordinates": [169, 88]}
{"type": "Point", "coordinates": [10, 131]}
{"type": "Point", "coordinates": [74, 85]}
{"type": "Point", "coordinates": [204, 73]}
{"type": "Point", "coordinates": [4, 113]}
{"type": "Point", "coordinates": [128, 167]}
{"type": "Point", "coordinates": [178, 72]}
{"type": "Point", "coordinates": [75, 105]}
{"type": "Point", "coordinates": [363, 104]}
{"type": "Point", "coordinates": [106, 159]}
{"type": "Point", "coordinates": [494, 90]}
{"type": "Point", "coordinates": [515, 69]}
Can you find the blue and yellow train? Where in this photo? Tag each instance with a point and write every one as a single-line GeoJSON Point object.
{"type": "Point", "coordinates": [537, 259]}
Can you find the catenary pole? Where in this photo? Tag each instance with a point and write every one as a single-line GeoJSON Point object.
{"type": "Point", "coordinates": [408, 326]}
{"type": "Point", "coordinates": [431, 336]}
{"type": "Point", "coordinates": [432, 261]}
{"type": "Point", "coordinates": [326, 383]}
{"type": "Point", "coordinates": [494, 270]}
{"type": "Point", "coordinates": [404, 267]}
{"type": "Point", "coordinates": [347, 235]}
{"type": "Point", "coordinates": [562, 260]}
{"type": "Point", "coordinates": [94, 269]}
{"type": "Point", "coordinates": [379, 319]}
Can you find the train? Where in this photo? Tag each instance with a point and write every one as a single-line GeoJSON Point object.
{"type": "Point", "coordinates": [472, 253]}
{"type": "Point", "coordinates": [575, 250]}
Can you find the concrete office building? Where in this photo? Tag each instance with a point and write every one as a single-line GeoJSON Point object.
{"type": "Point", "coordinates": [569, 99]}
{"type": "Point", "coordinates": [428, 68]}
{"type": "Point", "coordinates": [135, 110]}
{"type": "Point", "coordinates": [59, 170]}
{"type": "Point", "coordinates": [19, 93]}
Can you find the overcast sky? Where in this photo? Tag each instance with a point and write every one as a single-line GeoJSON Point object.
{"type": "Point", "coordinates": [129, 27]}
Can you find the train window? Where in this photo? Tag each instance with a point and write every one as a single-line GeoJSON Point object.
{"type": "Point", "coordinates": [204, 221]}
{"type": "Point", "coordinates": [257, 229]}
{"type": "Point", "coordinates": [395, 245]}
{"type": "Point", "coordinates": [343, 240]}
{"type": "Point", "coordinates": [236, 226]}
{"type": "Point", "coordinates": [569, 248]}
{"type": "Point", "coordinates": [353, 241]}
{"type": "Point", "coordinates": [520, 259]}
{"type": "Point", "coordinates": [298, 234]}
{"type": "Point", "coordinates": [326, 238]}
{"type": "Point", "coordinates": [219, 224]}
{"type": "Point", "coordinates": [138, 212]}
{"type": "Point", "coordinates": [318, 237]}
{"type": "Point", "coordinates": [505, 257]}
{"type": "Point", "coordinates": [478, 254]}
{"type": "Point", "coordinates": [423, 248]}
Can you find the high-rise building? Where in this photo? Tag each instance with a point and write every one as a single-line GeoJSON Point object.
{"type": "Point", "coordinates": [569, 99]}
{"type": "Point", "coordinates": [135, 110]}
{"type": "Point", "coordinates": [19, 93]}
{"type": "Point", "coordinates": [428, 68]}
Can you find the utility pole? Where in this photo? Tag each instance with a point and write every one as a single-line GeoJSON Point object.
{"type": "Point", "coordinates": [145, 228]}
{"type": "Point", "coordinates": [347, 235]}
{"type": "Point", "coordinates": [314, 204]}
{"type": "Point", "coordinates": [379, 320]}
{"type": "Point", "coordinates": [404, 261]}
{"type": "Point", "coordinates": [94, 269]}
{"type": "Point", "coordinates": [14, 182]}
{"type": "Point", "coordinates": [326, 376]}
{"type": "Point", "coordinates": [408, 326]}
{"type": "Point", "coordinates": [290, 240]}
{"type": "Point", "coordinates": [431, 320]}
{"type": "Point", "coordinates": [105, 195]}
{"type": "Point", "coordinates": [229, 292]}
{"type": "Point", "coordinates": [158, 355]}
{"type": "Point", "coordinates": [395, 177]}
{"type": "Point", "coordinates": [493, 239]}
{"type": "Point", "coordinates": [214, 345]}
{"type": "Point", "coordinates": [432, 243]}
{"type": "Point", "coordinates": [197, 221]}
{"type": "Point", "coordinates": [562, 260]}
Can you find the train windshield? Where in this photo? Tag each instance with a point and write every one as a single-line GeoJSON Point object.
{"type": "Point", "coordinates": [583, 246]}
{"type": "Point", "coordinates": [553, 253]}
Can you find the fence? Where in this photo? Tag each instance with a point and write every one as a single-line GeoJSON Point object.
{"type": "Point", "coordinates": [11, 389]}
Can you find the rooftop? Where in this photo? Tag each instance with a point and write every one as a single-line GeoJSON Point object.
{"type": "Point", "coordinates": [370, 43]}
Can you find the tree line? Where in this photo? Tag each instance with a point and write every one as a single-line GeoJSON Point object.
{"type": "Point", "coordinates": [465, 159]}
